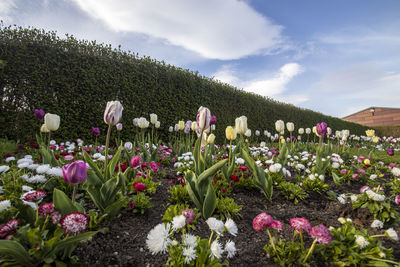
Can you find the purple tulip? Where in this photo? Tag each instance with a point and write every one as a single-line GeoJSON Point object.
{"type": "Point", "coordinates": [39, 114]}
{"type": "Point", "coordinates": [213, 119]}
{"type": "Point", "coordinates": [321, 128]}
{"type": "Point", "coordinates": [75, 172]}
{"type": "Point", "coordinates": [203, 118]}
{"type": "Point", "coordinates": [96, 131]}
{"type": "Point", "coordinates": [119, 126]}
{"type": "Point", "coordinates": [390, 151]}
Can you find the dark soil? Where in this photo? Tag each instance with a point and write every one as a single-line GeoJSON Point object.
{"type": "Point", "coordinates": [125, 242]}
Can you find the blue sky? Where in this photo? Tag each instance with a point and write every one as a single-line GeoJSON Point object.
{"type": "Point", "coordinates": [335, 57]}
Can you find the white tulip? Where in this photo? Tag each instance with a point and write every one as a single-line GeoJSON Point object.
{"type": "Point", "coordinates": [290, 126]}
{"type": "Point", "coordinates": [52, 121]}
{"type": "Point", "coordinates": [153, 118]}
{"type": "Point", "coordinates": [279, 126]}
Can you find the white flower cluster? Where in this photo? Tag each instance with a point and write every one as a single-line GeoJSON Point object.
{"type": "Point", "coordinates": [375, 196]}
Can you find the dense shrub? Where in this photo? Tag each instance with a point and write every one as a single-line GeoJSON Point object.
{"type": "Point", "coordinates": [75, 78]}
{"type": "Point", "coordinates": [387, 131]}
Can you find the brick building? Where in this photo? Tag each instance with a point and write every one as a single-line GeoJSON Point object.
{"type": "Point", "coordinates": [376, 116]}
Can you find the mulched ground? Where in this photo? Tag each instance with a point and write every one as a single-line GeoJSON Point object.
{"type": "Point", "coordinates": [125, 242]}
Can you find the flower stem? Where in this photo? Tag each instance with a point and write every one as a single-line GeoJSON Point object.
{"type": "Point", "coordinates": [230, 153]}
{"type": "Point", "coordinates": [310, 250]}
{"type": "Point", "coordinates": [377, 259]}
{"type": "Point", "coordinates": [209, 240]}
{"type": "Point", "coordinates": [374, 236]}
{"type": "Point", "coordinates": [272, 244]}
{"type": "Point", "coordinates": [74, 193]}
{"type": "Point", "coordinates": [106, 149]}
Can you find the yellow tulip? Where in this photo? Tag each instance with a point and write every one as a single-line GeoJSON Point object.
{"type": "Point", "coordinates": [230, 133]}
{"type": "Point", "coordinates": [211, 139]}
{"type": "Point", "coordinates": [44, 129]}
{"type": "Point", "coordinates": [181, 125]}
{"type": "Point", "coordinates": [375, 139]}
{"type": "Point", "coordinates": [367, 162]}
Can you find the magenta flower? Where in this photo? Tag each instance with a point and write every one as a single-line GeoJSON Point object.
{"type": "Point", "coordinates": [39, 114]}
{"type": "Point", "coordinates": [75, 172]}
{"type": "Point", "coordinates": [363, 188]}
{"type": "Point", "coordinates": [277, 225]}
{"type": "Point", "coordinates": [300, 224]}
{"type": "Point", "coordinates": [321, 128]}
{"type": "Point", "coordinates": [74, 223]}
{"type": "Point", "coordinates": [261, 221]}
{"type": "Point", "coordinates": [355, 176]}
{"type": "Point", "coordinates": [96, 131]}
{"type": "Point", "coordinates": [35, 196]}
{"type": "Point", "coordinates": [397, 200]}
{"type": "Point", "coordinates": [321, 234]}
{"type": "Point", "coordinates": [139, 186]}
{"type": "Point", "coordinates": [153, 166]}
{"type": "Point", "coordinates": [189, 214]}
{"type": "Point", "coordinates": [343, 171]}
{"type": "Point", "coordinates": [131, 205]}
{"type": "Point", "coordinates": [9, 228]}
{"type": "Point", "coordinates": [136, 162]}
{"type": "Point", "coordinates": [46, 209]}
{"type": "Point", "coordinates": [213, 119]}
{"type": "Point", "coordinates": [390, 151]}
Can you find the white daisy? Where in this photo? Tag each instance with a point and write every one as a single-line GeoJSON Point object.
{"type": "Point", "coordinates": [231, 227]}
{"type": "Point", "coordinates": [392, 234]}
{"type": "Point", "coordinates": [215, 225]}
{"type": "Point", "coordinates": [10, 159]}
{"type": "Point", "coordinates": [5, 205]}
{"type": "Point", "coordinates": [55, 171]}
{"type": "Point", "coordinates": [377, 224]}
{"type": "Point", "coordinates": [178, 222]}
{"type": "Point", "coordinates": [216, 249]}
{"type": "Point", "coordinates": [230, 249]}
{"type": "Point", "coordinates": [190, 254]}
{"type": "Point", "coordinates": [158, 238]}
{"type": "Point", "coordinates": [190, 240]}
{"type": "Point", "coordinates": [43, 168]}
{"type": "Point", "coordinates": [33, 166]}
{"type": "Point", "coordinates": [26, 188]}
{"type": "Point", "coordinates": [4, 168]}
{"type": "Point", "coordinates": [361, 242]}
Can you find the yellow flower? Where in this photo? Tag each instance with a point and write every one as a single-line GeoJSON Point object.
{"type": "Point", "coordinates": [370, 133]}
{"type": "Point", "coordinates": [230, 133]}
{"type": "Point", "coordinates": [211, 138]}
{"type": "Point", "coordinates": [282, 140]}
{"type": "Point", "coordinates": [181, 125]}
{"type": "Point", "coordinates": [375, 139]}
{"type": "Point", "coordinates": [367, 162]}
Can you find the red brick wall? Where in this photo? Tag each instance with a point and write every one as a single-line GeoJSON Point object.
{"type": "Point", "coordinates": [382, 117]}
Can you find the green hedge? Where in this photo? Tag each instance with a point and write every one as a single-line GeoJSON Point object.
{"type": "Point", "coordinates": [75, 79]}
{"type": "Point", "coordinates": [387, 131]}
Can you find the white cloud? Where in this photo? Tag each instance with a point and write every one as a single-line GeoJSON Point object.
{"type": "Point", "coordinates": [6, 8]}
{"type": "Point", "coordinates": [216, 29]}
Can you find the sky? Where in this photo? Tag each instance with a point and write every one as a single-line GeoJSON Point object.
{"type": "Point", "coordinates": [334, 57]}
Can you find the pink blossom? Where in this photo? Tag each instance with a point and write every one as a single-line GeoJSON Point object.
{"type": "Point", "coordinates": [68, 157]}
{"type": "Point", "coordinates": [55, 217]}
{"type": "Point", "coordinates": [74, 223]}
{"type": "Point", "coordinates": [189, 214]}
{"type": "Point", "coordinates": [300, 224]}
{"type": "Point", "coordinates": [362, 171]}
{"type": "Point", "coordinates": [136, 161]}
{"type": "Point", "coordinates": [131, 205]}
{"type": "Point", "coordinates": [46, 209]}
{"type": "Point", "coordinates": [397, 200]}
{"type": "Point", "coordinates": [139, 186]}
{"type": "Point", "coordinates": [344, 171]}
{"type": "Point", "coordinates": [261, 221]}
{"type": "Point", "coordinates": [34, 196]}
{"type": "Point", "coordinates": [355, 176]}
{"type": "Point", "coordinates": [276, 225]}
{"type": "Point", "coordinates": [9, 228]}
{"type": "Point", "coordinates": [153, 166]}
{"type": "Point", "coordinates": [321, 233]}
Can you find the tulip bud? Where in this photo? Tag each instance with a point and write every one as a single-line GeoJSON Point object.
{"type": "Point", "coordinates": [241, 125]}
{"type": "Point", "coordinates": [213, 120]}
{"type": "Point", "coordinates": [290, 126]}
{"type": "Point", "coordinates": [204, 139]}
{"type": "Point", "coordinates": [211, 139]}
{"type": "Point", "coordinates": [321, 128]}
{"type": "Point", "coordinates": [257, 133]}
{"type": "Point", "coordinates": [157, 125]}
{"type": "Point", "coordinates": [203, 118]}
{"type": "Point", "coordinates": [52, 121]}
{"type": "Point", "coordinates": [213, 127]}
{"type": "Point", "coordinates": [119, 126]}
{"type": "Point", "coordinates": [39, 114]}
{"type": "Point", "coordinates": [194, 126]}
{"type": "Point", "coordinates": [375, 139]}
{"type": "Point", "coordinates": [113, 113]}
{"type": "Point", "coordinates": [181, 125]}
{"type": "Point", "coordinates": [75, 172]}
{"type": "Point", "coordinates": [370, 133]}
{"type": "Point", "coordinates": [135, 121]}
{"type": "Point", "coordinates": [301, 131]}
{"type": "Point", "coordinates": [248, 133]}
{"type": "Point", "coordinates": [143, 123]}
{"type": "Point", "coordinates": [44, 129]}
{"type": "Point", "coordinates": [128, 146]}
{"type": "Point", "coordinates": [153, 118]}
{"type": "Point", "coordinates": [308, 130]}
{"type": "Point", "coordinates": [96, 131]}
{"type": "Point", "coordinates": [170, 129]}
{"type": "Point", "coordinates": [328, 131]}
{"type": "Point", "coordinates": [279, 126]}
{"type": "Point", "coordinates": [176, 128]}
{"type": "Point", "coordinates": [230, 133]}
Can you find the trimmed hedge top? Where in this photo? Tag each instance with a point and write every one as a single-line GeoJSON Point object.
{"type": "Point", "coordinates": [75, 78]}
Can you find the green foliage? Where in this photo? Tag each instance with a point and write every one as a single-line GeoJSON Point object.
{"type": "Point", "coordinates": [80, 76]}
{"type": "Point", "coordinates": [292, 191]}
{"type": "Point", "coordinates": [315, 185]}
{"type": "Point", "coordinates": [7, 146]}
{"type": "Point", "coordinates": [178, 195]}
{"type": "Point", "coordinates": [388, 131]}
{"type": "Point", "coordinates": [151, 186]}
{"type": "Point", "coordinates": [176, 210]}
{"type": "Point", "coordinates": [227, 208]}
{"type": "Point", "coordinates": [142, 202]}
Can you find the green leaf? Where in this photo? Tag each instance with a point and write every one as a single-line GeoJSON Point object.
{"type": "Point", "coordinates": [211, 171]}
{"type": "Point", "coordinates": [210, 203]}
{"type": "Point", "coordinates": [92, 164]}
{"type": "Point", "coordinates": [96, 197]}
{"type": "Point", "coordinates": [109, 190]}
{"type": "Point", "coordinates": [63, 203]}
{"type": "Point", "coordinates": [114, 161]}
{"type": "Point", "coordinates": [66, 244]}
{"type": "Point", "coordinates": [336, 179]}
{"type": "Point", "coordinates": [15, 251]}
{"type": "Point", "coordinates": [113, 209]}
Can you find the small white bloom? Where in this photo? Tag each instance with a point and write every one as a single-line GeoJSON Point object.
{"type": "Point", "coordinates": [341, 200]}
{"type": "Point", "coordinates": [353, 198]}
{"type": "Point", "coordinates": [361, 242]}
{"type": "Point", "coordinates": [230, 249]}
{"type": "Point", "coordinates": [215, 225]}
{"type": "Point", "coordinates": [5, 205]}
{"type": "Point", "coordinates": [396, 172]}
{"type": "Point", "coordinates": [42, 168]}
{"type": "Point", "coordinates": [26, 188]}
{"type": "Point", "coordinates": [190, 240]}
{"type": "Point", "coordinates": [158, 238]}
{"type": "Point", "coordinates": [55, 171]}
{"type": "Point", "coordinates": [33, 166]}
{"type": "Point", "coordinates": [174, 243]}
{"type": "Point", "coordinates": [178, 222]}
{"type": "Point", "coordinates": [4, 168]}
{"type": "Point", "coordinates": [10, 159]}
{"type": "Point", "coordinates": [239, 161]}
{"type": "Point", "coordinates": [392, 234]}
{"type": "Point", "coordinates": [335, 165]}
{"type": "Point", "coordinates": [231, 227]}
{"type": "Point", "coordinates": [373, 176]}
{"type": "Point", "coordinates": [216, 249]}
{"type": "Point", "coordinates": [377, 224]}
{"type": "Point", "coordinates": [190, 254]}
